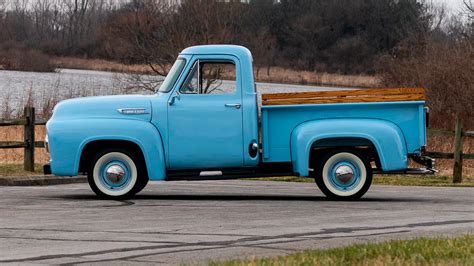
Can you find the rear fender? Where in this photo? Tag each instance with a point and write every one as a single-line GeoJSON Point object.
{"type": "Point", "coordinates": [386, 137]}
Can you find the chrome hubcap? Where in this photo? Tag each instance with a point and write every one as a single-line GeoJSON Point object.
{"type": "Point", "coordinates": [115, 173]}
{"type": "Point", "coordinates": [344, 174]}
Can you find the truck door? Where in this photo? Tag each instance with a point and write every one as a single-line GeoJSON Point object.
{"type": "Point", "coordinates": [205, 117]}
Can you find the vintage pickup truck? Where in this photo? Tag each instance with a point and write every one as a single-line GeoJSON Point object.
{"type": "Point", "coordinates": [201, 126]}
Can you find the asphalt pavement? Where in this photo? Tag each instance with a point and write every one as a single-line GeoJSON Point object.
{"type": "Point", "coordinates": [194, 222]}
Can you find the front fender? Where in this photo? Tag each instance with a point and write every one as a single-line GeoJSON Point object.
{"type": "Point", "coordinates": [67, 139]}
{"type": "Point", "coordinates": [387, 138]}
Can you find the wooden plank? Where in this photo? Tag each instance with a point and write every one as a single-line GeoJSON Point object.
{"type": "Point", "coordinates": [445, 155]}
{"type": "Point", "coordinates": [39, 144]}
{"type": "Point", "coordinates": [444, 132]}
{"type": "Point", "coordinates": [439, 132]}
{"type": "Point", "coordinates": [40, 122]}
{"type": "Point", "coordinates": [20, 122]}
{"type": "Point", "coordinates": [439, 155]}
{"type": "Point", "coordinates": [19, 144]}
{"type": "Point", "coordinates": [387, 98]}
{"type": "Point", "coordinates": [12, 144]}
{"type": "Point", "coordinates": [457, 169]}
{"type": "Point", "coordinates": [29, 136]}
{"type": "Point", "coordinates": [343, 93]}
{"type": "Point", "coordinates": [12, 122]}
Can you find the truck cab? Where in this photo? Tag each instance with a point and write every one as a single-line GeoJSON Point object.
{"type": "Point", "coordinates": [206, 112]}
{"type": "Point", "coordinates": [205, 123]}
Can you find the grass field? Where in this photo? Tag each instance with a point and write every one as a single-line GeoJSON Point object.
{"type": "Point", "coordinates": [396, 180]}
{"type": "Point", "coordinates": [17, 170]}
{"type": "Point", "coordinates": [422, 251]}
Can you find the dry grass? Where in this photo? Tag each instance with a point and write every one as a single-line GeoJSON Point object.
{"type": "Point", "coordinates": [446, 144]}
{"type": "Point", "coordinates": [282, 75]}
{"type": "Point", "coordinates": [274, 74]}
{"type": "Point", "coordinates": [100, 65]}
{"type": "Point", "coordinates": [441, 144]}
{"type": "Point", "coordinates": [15, 156]}
{"type": "Point", "coordinates": [23, 59]}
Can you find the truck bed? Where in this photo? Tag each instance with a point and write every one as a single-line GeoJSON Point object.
{"type": "Point", "coordinates": [345, 96]}
{"type": "Point", "coordinates": [282, 112]}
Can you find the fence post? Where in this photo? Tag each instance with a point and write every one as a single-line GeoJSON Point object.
{"type": "Point", "coordinates": [29, 136]}
{"type": "Point", "coordinates": [457, 169]}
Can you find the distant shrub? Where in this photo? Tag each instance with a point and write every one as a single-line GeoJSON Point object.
{"type": "Point", "coordinates": [18, 57]}
{"type": "Point", "coordinates": [446, 71]}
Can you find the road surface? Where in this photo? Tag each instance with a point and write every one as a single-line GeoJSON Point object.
{"type": "Point", "coordinates": [175, 222]}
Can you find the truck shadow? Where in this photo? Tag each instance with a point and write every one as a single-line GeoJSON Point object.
{"type": "Point", "coordinates": [240, 197]}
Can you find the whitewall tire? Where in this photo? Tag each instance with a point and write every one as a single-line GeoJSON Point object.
{"type": "Point", "coordinates": [116, 174]}
{"type": "Point", "coordinates": [344, 174]}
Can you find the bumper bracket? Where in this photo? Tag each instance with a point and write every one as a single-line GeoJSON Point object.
{"type": "Point", "coordinates": [47, 169]}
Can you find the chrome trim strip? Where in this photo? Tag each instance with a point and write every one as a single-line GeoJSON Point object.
{"type": "Point", "coordinates": [133, 111]}
{"type": "Point", "coordinates": [210, 173]}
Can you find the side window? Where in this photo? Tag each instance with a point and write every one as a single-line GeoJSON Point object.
{"type": "Point", "coordinates": [191, 85]}
{"type": "Point", "coordinates": [209, 77]}
{"type": "Point", "coordinates": [218, 77]}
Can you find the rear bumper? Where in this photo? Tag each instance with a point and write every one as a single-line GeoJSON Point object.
{"type": "Point", "coordinates": [423, 160]}
{"type": "Point", "coordinates": [47, 169]}
{"type": "Point", "coordinates": [426, 161]}
{"type": "Point", "coordinates": [409, 171]}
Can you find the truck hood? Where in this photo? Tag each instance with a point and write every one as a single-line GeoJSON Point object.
{"type": "Point", "coordinates": [136, 107]}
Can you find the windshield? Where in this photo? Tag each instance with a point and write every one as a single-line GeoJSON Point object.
{"type": "Point", "coordinates": [173, 75]}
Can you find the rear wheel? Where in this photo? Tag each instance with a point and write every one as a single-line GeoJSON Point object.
{"type": "Point", "coordinates": [117, 174]}
{"type": "Point", "coordinates": [344, 174]}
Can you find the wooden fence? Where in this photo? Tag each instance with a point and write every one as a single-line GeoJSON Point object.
{"type": "Point", "coordinates": [457, 154]}
{"type": "Point", "coordinates": [29, 143]}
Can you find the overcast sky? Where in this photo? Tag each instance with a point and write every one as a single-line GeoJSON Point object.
{"type": "Point", "coordinates": [453, 5]}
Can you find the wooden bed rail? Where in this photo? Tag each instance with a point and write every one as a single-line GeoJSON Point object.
{"type": "Point", "coordinates": [345, 96]}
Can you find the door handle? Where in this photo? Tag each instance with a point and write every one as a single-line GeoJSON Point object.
{"type": "Point", "coordinates": [235, 105]}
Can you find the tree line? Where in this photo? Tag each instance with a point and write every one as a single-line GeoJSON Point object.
{"type": "Point", "coordinates": [323, 35]}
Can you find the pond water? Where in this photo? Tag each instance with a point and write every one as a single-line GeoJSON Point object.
{"type": "Point", "coordinates": [18, 87]}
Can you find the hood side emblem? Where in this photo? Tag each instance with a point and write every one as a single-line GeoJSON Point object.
{"type": "Point", "coordinates": [132, 111]}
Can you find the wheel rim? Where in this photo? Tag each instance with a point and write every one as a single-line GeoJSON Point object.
{"type": "Point", "coordinates": [344, 174]}
{"type": "Point", "coordinates": [115, 175]}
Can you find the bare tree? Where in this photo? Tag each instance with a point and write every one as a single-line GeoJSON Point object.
{"type": "Point", "coordinates": [2, 13]}
{"type": "Point", "coordinates": [139, 33]}
{"type": "Point", "coordinates": [323, 35]}
{"type": "Point", "coordinates": [155, 31]}
{"type": "Point", "coordinates": [469, 6]}
{"type": "Point", "coordinates": [437, 14]}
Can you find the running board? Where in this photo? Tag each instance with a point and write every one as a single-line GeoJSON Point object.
{"type": "Point", "coordinates": [236, 173]}
{"type": "Point", "coordinates": [408, 171]}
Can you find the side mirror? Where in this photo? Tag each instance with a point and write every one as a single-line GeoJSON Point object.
{"type": "Point", "coordinates": [174, 97]}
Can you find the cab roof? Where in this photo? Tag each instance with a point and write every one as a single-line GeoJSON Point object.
{"type": "Point", "coordinates": [237, 50]}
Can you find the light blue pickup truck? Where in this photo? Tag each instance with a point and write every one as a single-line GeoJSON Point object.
{"type": "Point", "coordinates": [205, 123]}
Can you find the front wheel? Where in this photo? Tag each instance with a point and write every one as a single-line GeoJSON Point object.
{"type": "Point", "coordinates": [116, 174]}
{"type": "Point", "coordinates": [344, 175]}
